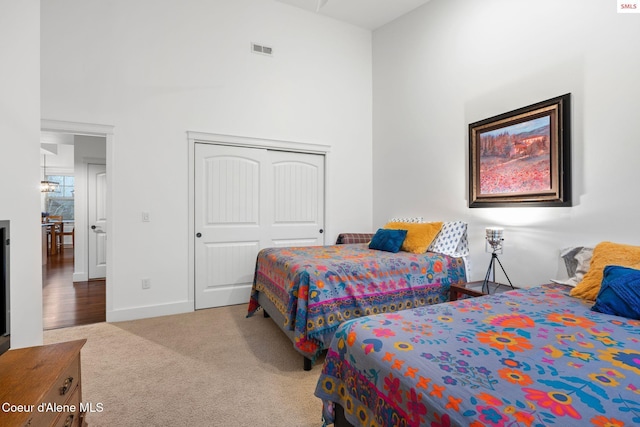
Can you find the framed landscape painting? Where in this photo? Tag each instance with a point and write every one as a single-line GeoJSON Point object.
{"type": "Point", "coordinates": [522, 158]}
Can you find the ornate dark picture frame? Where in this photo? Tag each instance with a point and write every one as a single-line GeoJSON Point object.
{"type": "Point", "coordinates": [522, 157]}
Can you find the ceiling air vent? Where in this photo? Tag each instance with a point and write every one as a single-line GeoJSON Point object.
{"type": "Point", "coordinates": [264, 50]}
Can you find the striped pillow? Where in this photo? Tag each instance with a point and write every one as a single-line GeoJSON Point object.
{"type": "Point", "coordinates": [409, 219]}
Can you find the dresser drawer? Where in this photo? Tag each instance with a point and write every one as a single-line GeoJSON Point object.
{"type": "Point", "coordinates": [65, 385]}
{"type": "Point", "coordinates": [59, 396]}
{"type": "Point", "coordinates": [70, 418]}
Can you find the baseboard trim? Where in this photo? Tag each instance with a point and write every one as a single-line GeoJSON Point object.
{"type": "Point", "coordinates": [149, 311]}
{"type": "Point", "coordinates": [80, 277]}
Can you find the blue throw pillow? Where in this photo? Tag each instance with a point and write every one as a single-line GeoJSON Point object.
{"type": "Point", "coordinates": [619, 293]}
{"type": "Point", "coordinates": [388, 240]}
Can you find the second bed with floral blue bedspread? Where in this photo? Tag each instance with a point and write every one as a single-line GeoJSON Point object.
{"type": "Point", "coordinates": [533, 357]}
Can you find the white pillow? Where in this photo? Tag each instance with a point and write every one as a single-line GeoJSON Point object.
{"type": "Point", "coordinates": [452, 240]}
{"type": "Point", "coordinates": [577, 260]}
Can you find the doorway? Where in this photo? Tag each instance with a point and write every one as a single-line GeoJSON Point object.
{"type": "Point", "coordinates": [70, 296]}
{"type": "Point", "coordinates": [66, 303]}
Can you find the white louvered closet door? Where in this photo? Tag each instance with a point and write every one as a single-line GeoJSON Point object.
{"type": "Point", "coordinates": [247, 199]}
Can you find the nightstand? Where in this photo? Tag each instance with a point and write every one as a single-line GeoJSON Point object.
{"type": "Point", "coordinates": [474, 289]}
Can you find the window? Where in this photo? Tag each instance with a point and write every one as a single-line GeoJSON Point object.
{"type": "Point", "coordinates": [61, 202]}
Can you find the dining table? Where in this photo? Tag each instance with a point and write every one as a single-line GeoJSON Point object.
{"type": "Point", "coordinates": [50, 231]}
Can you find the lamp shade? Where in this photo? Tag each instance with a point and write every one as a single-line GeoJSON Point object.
{"type": "Point", "coordinates": [494, 236]}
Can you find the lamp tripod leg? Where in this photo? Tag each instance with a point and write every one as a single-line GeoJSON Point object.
{"type": "Point", "coordinates": [505, 273]}
{"type": "Point", "coordinates": [485, 283]}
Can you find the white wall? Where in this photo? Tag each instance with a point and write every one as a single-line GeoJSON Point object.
{"type": "Point", "coordinates": [454, 62]}
{"type": "Point", "coordinates": [59, 163]}
{"type": "Point", "coordinates": [19, 163]}
{"type": "Point", "coordinates": [157, 69]}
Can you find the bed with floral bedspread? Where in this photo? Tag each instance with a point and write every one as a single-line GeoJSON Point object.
{"type": "Point", "coordinates": [535, 357]}
{"type": "Point", "coordinates": [314, 289]}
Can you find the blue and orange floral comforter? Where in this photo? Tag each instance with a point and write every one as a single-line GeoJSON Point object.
{"type": "Point", "coordinates": [534, 357]}
{"type": "Point", "coordinates": [316, 288]}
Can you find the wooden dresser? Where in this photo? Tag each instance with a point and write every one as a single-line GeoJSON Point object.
{"type": "Point", "coordinates": [40, 386]}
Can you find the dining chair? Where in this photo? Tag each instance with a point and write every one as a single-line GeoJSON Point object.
{"type": "Point", "coordinates": [71, 233]}
{"type": "Point", "coordinates": [54, 233]}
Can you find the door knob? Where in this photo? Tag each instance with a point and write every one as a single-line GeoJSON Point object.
{"type": "Point", "coordinates": [93, 227]}
{"type": "Point", "coordinates": [198, 235]}
{"type": "Point", "coordinates": [321, 231]}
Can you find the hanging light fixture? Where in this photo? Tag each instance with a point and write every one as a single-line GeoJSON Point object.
{"type": "Point", "coordinates": [47, 186]}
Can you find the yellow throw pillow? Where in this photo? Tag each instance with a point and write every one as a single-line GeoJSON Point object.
{"type": "Point", "coordinates": [605, 253]}
{"type": "Point", "coordinates": [419, 235]}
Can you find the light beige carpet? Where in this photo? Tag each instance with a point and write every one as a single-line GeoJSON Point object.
{"type": "Point", "coordinates": [211, 367]}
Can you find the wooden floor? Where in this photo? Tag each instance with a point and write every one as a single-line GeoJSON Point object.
{"type": "Point", "coordinates": [65, 303]}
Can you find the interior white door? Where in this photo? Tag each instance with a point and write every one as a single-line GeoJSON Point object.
{"type": "Point", "coordinates": [97, 211]}
{"type": "Point", "coordinates": [247, 199]}
{"type": "Point", "coordinates": [229, 185]}
{"type": "Point", "coordinates": [297, 192]}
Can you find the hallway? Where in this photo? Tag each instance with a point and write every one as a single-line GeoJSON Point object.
{"type": "Point", "coordinates": [65, 303]}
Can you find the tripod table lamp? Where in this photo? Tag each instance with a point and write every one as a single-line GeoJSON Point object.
{"type": "Point", "coordinates": [494, 238]}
